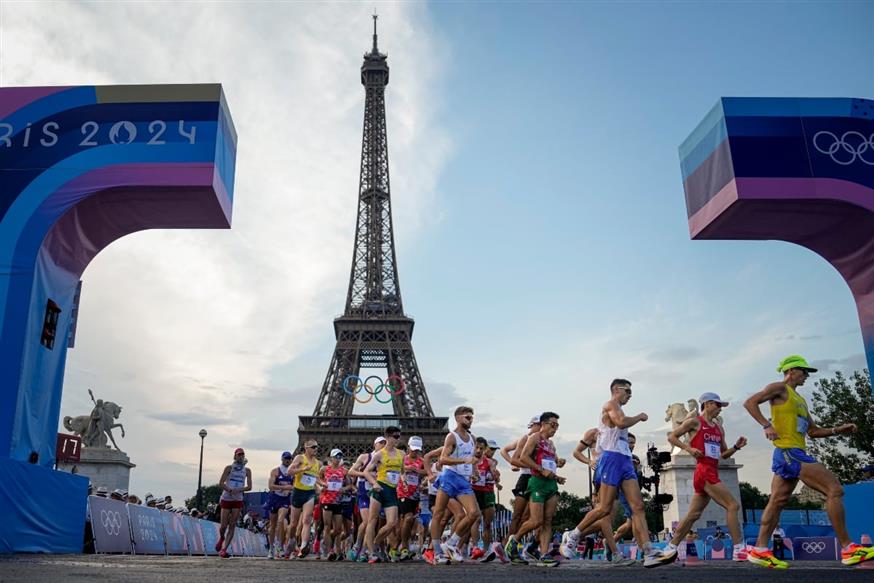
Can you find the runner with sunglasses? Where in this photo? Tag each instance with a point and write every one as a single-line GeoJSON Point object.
{"type": "Point", "coordinates": [408, 494]}
{"type": "Point", "coordinates": [364, 487]}
{"type": "Point", "coordinates": [280, 485]}
{"type": "Point", "coordinates": [305, 469]}
{"type": "Point", "coordinates": [520, 492]}
{"type": "Point", "coordinates": [384, 472]}
{"type": "Point", "coordinates": [332, 481]}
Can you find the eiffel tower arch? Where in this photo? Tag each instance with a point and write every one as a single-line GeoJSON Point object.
{"type": "Point", "coordinates": [373, 332]}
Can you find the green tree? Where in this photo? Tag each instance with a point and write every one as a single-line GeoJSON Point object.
{"type": "Point", "coordinates": [751, 498]}
{"type": "Point", "coordinates": [211, 494]}
{"type": "Point", "coordinates": [841, 400]}
{"type": "Point", "coordinates": [569, 511]}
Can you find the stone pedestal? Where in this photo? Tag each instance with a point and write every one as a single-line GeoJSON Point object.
{"type": "Point", "coordinates": [103, 466]}
{"type": "Point", "coordinates": [676, 479]}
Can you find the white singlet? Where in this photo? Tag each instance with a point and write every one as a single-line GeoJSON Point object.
{"type": "Point", "coordinates": [463, 449]}
{"type": "Point", "coordinates": [236, 479]}
{"type": "Point", "coordinates": [613, 438]}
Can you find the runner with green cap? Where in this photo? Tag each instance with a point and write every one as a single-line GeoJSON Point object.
{"type": "Point", "coordinates": [789, 426]}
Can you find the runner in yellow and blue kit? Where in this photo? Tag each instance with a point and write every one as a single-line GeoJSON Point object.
{"type": "Point", "coordinates": [788, 428]}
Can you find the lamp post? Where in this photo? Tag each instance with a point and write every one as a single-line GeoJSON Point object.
{"type": "Point", "coordinates": [202, 435]}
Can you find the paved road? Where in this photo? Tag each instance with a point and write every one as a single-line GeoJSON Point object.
{"type": "Point", "coordinates": [58, 568]}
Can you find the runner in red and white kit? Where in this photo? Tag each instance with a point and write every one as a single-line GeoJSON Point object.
{"type": "Point", "coordinates": [484, 490]}
{"type": "Point", "coordinates": [332, 480]}
{"type": "Point", "coordinates": [408, 494]}
{"type": "Point", "coordinates": [236, 479]}
{"type": "Point", "coordinates": [707, 446]}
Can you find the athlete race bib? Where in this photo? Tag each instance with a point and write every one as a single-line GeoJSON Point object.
{"type": "Point", "coordinates": [308, 480]}
{"type": "Point", "coordinates": [392, 477]}
{"type": "Point", "coordinates": [367, 486]}
{"type": "Point", "coordinates": [712, 450]}
{"type": "Point", "coordinates": [412, 479]}
{"type": "Point", "coordinates": [548, 464]}
{"type": "Point", "coordinates": [334, 485]}
{"type": "Point", "coordinates": [802, 425]}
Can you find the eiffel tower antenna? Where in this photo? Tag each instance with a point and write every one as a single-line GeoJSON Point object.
{"type": "Point", "coordinates": [374, 331]}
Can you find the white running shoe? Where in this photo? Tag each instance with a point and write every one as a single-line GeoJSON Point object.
{"type": "Point", "coordinates": [568, 546]}
{"type": "Point", "coordinates": [270, 553]}
{"type": "Point", "coordinates": [659, 557]}
{"type": "Point", "coordinates": [454, 554]}
{"type": "Point", "coordinates": [740, 554]}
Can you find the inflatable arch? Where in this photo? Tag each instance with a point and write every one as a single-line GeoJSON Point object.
{"type": "Point", "coordinates": [79, 168]}
{"type": "Point", "coordinates": [793, 169]}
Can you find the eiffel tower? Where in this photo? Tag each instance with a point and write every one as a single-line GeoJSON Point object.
{"type": "Point", "coordinates": [373, 331]}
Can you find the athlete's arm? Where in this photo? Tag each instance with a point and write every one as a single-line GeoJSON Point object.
{"type": "Point", "coordinates": [620, 419]}
{"type": "Point", "coordinates": [271, 485]}
{"type": "Point", "coordinates": [586, 444]}
{"type": "Point", "coordinates": [727, 452]}
{"type": "Point", "coordinates": [515, 461]}
{"type": "Point", "coordinates": [248, 481]}
{"type": "Point", "coordinates": [449, 445]}
{"type": "Point", "coordinates": [429, 461]}
{"type": "Point", "coordinates": [223, 482]}
{"type": "Point", "coordinates": [526, 460]}
{"type": "Point", "coordinates": [771, 392]}
{"type": "Point", "coordinates": [355, 470]}
{"type": "Point", "coordinates": [688, 426]}
{"type": "Point", "coordinates": [815, 431]}
{"type": "Point", "coordinates": [369, 472]}
{"type": "Point", "coordinates": [296, 466]}
{"type": "Point", "coordinates": [506, 450]}
{"type": "Point", "coordinates": [320, 480]}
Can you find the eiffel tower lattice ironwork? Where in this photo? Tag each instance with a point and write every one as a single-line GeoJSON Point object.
{"type": "Point", "coordinates": [373, 331]}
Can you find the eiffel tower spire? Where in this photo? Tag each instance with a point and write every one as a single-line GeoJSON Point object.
{"type": "Point", "coordinates": [373, 331]}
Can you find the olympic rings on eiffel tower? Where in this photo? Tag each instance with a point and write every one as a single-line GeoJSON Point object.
{"type": "Point", "coordinates": [353, 384]}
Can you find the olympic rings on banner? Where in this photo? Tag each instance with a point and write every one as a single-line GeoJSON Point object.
{"type": "Point", "coordinates": [394, 385]}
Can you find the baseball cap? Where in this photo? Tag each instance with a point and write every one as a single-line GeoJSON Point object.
{"type": "Point", "coordinates": [118, 492]}
{"type": "Point", "coordinates": [711, 397]}
{"type": "Point", "coordinates": [493, 444]}
{"type": "Point", "coordinates": [794, 361]}
{"type": "Point", "coordinates": [336, 452]}
{"type": "Point", "coordinates": [102, 491]}
{"type": "Point", "coordinates": [534, 421]}
{"type": "Point", "coordinates": [286, 454]}
{"type": "Point", "coordinates": [415, 442]}
{"type": "Point", "coordinates": [239, 451]}
{"type": "Point", "coordinates": [380, 439]}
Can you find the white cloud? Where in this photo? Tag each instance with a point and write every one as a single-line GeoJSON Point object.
{"type": "Point", "coordinates": [186, 325]}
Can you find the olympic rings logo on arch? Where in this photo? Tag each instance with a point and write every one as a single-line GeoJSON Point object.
{"type": "Point", "coordinates": [111, 521]}
{"type": "Point", "coordinates": [814, 548]}
{"type": "Point", "coordinates": [353, 384]}
{"type": "Point", "coordinates": [851, 146]}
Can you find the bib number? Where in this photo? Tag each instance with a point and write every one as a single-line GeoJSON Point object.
{"type": "Point", "coordinates": [412, 479]}
{"type": "Point", "coordinates": [392, 477]}
{"type": "Point", "coordinates": [308, 480]}
{"type": "Point", "coordinates": [803, 424]}
{"type": "Point", "coordinates": [548, 464]}
{"type": "Point", "coordinates": [368, 486]}
{"type": "Point", "coordinates": [334, 485]}
{"type": "Point", "coordinates": [712, 450]}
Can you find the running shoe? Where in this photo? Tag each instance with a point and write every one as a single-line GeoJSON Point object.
{"type": "Point", "coordinates": [442, 560]}
{"type": "Point", "coordinates": [405, 555]}
{"type": "Point", "coordinates": [351, 555]}
{"type": "Point", "coordinates": [224, 554]}
{"type": "Point", "coordinates": [374, 558]}
{"type": "Point", "coordinates": [740, 554]}
{"type": "Point", "coordinates": [393, 556]}
{"type": "Point", "coordinates": [453, 553]}
{"type": "Point", "coordinates": [332, 556]}
{"type": "Point", "coordinates": [277, 550]}
{"type": "Point", "coordinates": [525, 555]}
{"type": "Point", "coordinates": [498, 549]}
{"type": "Point", "coordinates": [568, 546]}
{"type": "Point", "coordinates": [270, 553]}
{"type": "Point", "coordinates": [533, 550]}
{"type": "Point", "coordinates": [428, 555]}
{"type": "Point", "coordinates": [477, 554]}
{"type": "Point", "coordinates": [659, 557]}
{"type": "Point", "coordinates": [362, 557]}
{"type": "Point", "coordinates": [622, 561]}
{"type": "Point", "coordinates": [218, 545]}
{"type": "Point", "coordinates": [547, 562]}
{"type": "Point", "coordinates": [490, 556]}
{"type": "Point", "coordinates": [855, 554]}
{"type": "Point", "coordinates": [304, 551]}
{"type": "Point", "coordinates": [766, 559]}
{"type": "Point", "coordinates": [511, 548]}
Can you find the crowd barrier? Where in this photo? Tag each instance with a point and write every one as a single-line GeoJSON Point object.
{"type": "Point", "coordinates": [118, 527]}
{"type": "Point", "coordinates": [791, 517]}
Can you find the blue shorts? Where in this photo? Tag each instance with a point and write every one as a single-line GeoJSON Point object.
{"type": "Point", "coordinates": [363, 496]}
{"type": "Point", "coordinates": [275, 502]}
{"type": "Point", "coordinates": [786, 463]}
{"type": "Point", "coordinates": [455, 484]}
{"type": "Point", "coordinates": [425, 517]}
{"type": "Point", "coordinates": [348, 511]}
{"type": "Point", "coordinates": [596, 475]}
{"type": "Point", "coordinates": [614, 468]}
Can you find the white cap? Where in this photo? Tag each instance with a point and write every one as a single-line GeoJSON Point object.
{"type": "Point", "coordinates": [493, 444]}
{"type": "Point", "coordinates": [534, 421]}
{"type": "Point", "coordinates": [415, 443]}
{"type": "Point", "coordinates": [712, 397]}
{"type": "Point", "coordinates": [380, 439]}
{"type": "Point", "coordinates": [336, 453]}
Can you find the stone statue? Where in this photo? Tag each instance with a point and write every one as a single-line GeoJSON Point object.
{"type": "Point", "coordinates": [677, 413]}
{"type": "Point", "coordinates": [96, 427]}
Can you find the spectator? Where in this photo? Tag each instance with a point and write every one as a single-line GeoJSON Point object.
{"type": "Point", "coordinates": [102, 492]}
{"type": "Point", "coordinates": [719, 535]}
{"type": "Point", "coordinates": [134, 499]}
{"type": "Point", "coordinates": [779, 547]}
{"type": "Point", "coordinates": [150, 500]}
{"type": "Point", "coordinates": [589, 551]}
{"type": "Point", "coordinates": [868, 473]}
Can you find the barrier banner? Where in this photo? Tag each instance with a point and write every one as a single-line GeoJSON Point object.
{"type": "Point", "coordinates": [193, 534]}
{"type": "Point", "coordinates": [259, 544]}
{"type": "Point", "coordinates": [818, 548]}
{"type": "Point", "coordinates": [110, 525]}
{"type": "Point", "coordinates": [210, 532]}
{"type": "Point", "coordinates": [174, 534]}
{"type": "Point", "coordinates": [237, 548]}
{"type": "Point", "coordinates": [147, 530]}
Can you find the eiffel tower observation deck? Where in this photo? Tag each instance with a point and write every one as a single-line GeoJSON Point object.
{"type": "Point", "coordinates": [373, 332]}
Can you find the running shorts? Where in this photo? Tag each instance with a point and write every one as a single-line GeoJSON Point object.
{"type": "Point", "coordinates": [275, 502]}
{"type": "Point", "coordinates": [408, 506]}
{"type": "Point", "coordinates": [230, 504]}
{"type": "Point", "coordinates": [388, 497]}
{"type": "Point", "coordinates": [705, 474]}
{"type": "Point", "coordinates": [786, 463]}
{"type": "Point", "coordinates": [484, 499]}
{"type": "Point", "coordinates": [335, 508]}
{"type": "Point", "coordinates": [301, 497]}
{"type": "Point", "coordinates": [521, 488]}
{"type": "Point", "coordinates": [541, 489]}
{"type": "Point", "coordinates": [455, 484]}
{"type": "Point", "coordinates": [348, 510]}
{"type": "Point", "coordinates": [615, 468]}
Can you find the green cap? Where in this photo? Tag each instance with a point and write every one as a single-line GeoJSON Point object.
{"type": "Point", "coordinates": [794, 361]}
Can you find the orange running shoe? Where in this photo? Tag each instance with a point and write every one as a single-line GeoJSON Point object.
{"type": "Point", "coordinates": [855, 554]}
{"type": "Point", "coordinates": [766, 559]}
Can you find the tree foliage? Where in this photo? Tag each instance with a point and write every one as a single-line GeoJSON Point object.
{"type": "Point", "coordinates": [569, 511]}
{"type": "Point", "coordinates": [751, 498]}
{"type": "Point", "coordinates": [211, 494]}
{"type": "Point", "coordinates": [841, 400]}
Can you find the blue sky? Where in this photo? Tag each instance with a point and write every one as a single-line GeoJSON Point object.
{"type": "Point", "coordinates": [540, 220]}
